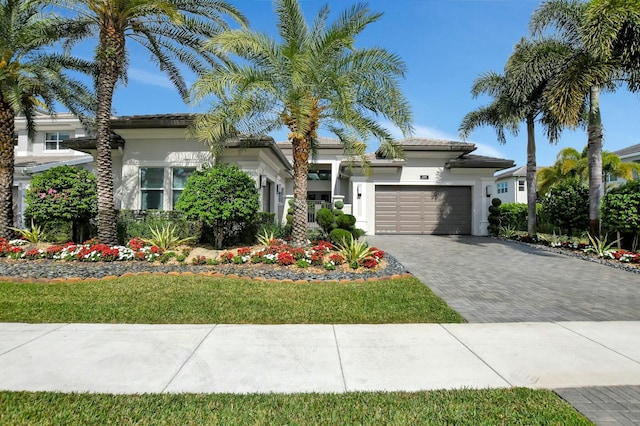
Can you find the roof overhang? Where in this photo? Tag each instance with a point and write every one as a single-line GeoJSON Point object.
{"type": "Point", "coordinates": [90, 143]}
{"type": "Point", "coordinates": [479, 162]}
{"type": "Point", "coordinates": [155, 121]}
{"type": "Point", "coordinates": [258, 141]}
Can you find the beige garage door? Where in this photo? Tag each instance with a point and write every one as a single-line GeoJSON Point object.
{"type": "Point", "coordinates": [440, 210]}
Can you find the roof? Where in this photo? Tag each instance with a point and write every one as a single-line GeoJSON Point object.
{"type": "Point", "coordinates": [519, 171]}
{"type": "Point", "coordinates": [258, 141]}
{"type": "Point", "coordinates": [321, 142]}
{"type": "Point", "coordinates": [633, 149]}
{"type": "Point", "coordinates": [152, 121]}
{"type": "Point", "coordinates": [35, 164]}
{"type": "Point", "coordinates": [90, 142]}
{"type": "Point", "coordinates": [479, 162]}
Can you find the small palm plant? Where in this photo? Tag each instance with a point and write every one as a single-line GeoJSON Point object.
{"type": "Point", "coordinates": [165, 238]}
{"type": "Point", "coordinates": [33, 235]}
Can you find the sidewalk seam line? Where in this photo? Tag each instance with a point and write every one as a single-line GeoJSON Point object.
{"type": "Point", "coordinates": [476, 355]}
{"type": "Point", "coordinates": [34, 339]}
{"type": "Point", "coordinates": [188, 358]}
{"type": "Point", "coordinates": [598, 343]}
{"type": "Point", "coordinates": [335, 338]}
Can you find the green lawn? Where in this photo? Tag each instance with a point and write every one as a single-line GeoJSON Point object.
{"type": "Point", "coordinates": [462, 407]}
{"type": "Point", "coordinates": [171, 299]}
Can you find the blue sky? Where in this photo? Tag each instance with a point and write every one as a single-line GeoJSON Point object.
{"type": "Point", "coordinates": [446, 45]}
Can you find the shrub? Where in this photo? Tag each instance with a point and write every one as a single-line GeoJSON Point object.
{"type": "Point", "coordinates": [514, 216]}
{"type": "Point", "coordinates": [326, 219]}
{"type": "Point", "coordinates": [346, 221]}
{"type": "Point", "coordinates": [339, 236]}
{"type": "Point", "coordinates": [621, 209]}
{"type": "Point", "coordinates": [224, 197]}
{"type": "Point", "coordinates": [339, 204]}
{"type": "Point", "coordinates": [567, 207]}
{"type": "Point", "coordinates": [63, 193]}
{"type": "Point", "coordinates": [165, 238]}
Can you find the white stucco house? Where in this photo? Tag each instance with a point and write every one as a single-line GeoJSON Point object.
{"type": "Point", "coordinates": [629, 154]}
{"type": "Point", "coordinates": [511, 185]}
{"type": "Point", "coordinates": [440, 187]}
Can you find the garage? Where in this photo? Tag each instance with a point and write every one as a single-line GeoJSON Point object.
{"type": "Point", "coordinates": [440, 210]}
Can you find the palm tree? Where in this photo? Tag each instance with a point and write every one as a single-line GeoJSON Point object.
{"type": "Point", "coordinates": [170, 30]}
{"type": "Point", "coordinates": [517, 97]}
{"type": "Point", "coordinates": [572, 165]}
{"type": "Point", "coordinates": [312, 77]}
{"type": "Point", "coordinates": [31, 77]}
{"type": "Point", "coordinates": [612, 30]}
{"type": "Point", "coordinates": [580, 78]}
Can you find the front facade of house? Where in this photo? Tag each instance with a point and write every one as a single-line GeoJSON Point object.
{"type": "Point", "coordinates": [511, 185]}
{"type": "Point", "coordinates": [439, 188]}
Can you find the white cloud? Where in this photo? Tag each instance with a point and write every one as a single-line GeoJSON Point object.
{"type": "Point", "coordinates": [151, 78]}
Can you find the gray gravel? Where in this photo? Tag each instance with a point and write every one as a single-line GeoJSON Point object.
{"type": "Point", "coordinates": [50, 269]}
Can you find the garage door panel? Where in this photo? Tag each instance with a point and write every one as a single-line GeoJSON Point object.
{"type": "Point", "coordinates": [423, 210]}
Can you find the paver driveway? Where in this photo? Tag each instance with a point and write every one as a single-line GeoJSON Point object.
{"type": "Point", "coordinates": [488, 280]}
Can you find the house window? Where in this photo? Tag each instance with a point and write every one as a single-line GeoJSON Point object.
{"type": "Point", "coordinates": [52, 140]}
{"type": "Point", "coordinates": [521, 185]}
{"type": "Point", "coordinates": [319, 175]}
{"type": "Point", "coordinates": [180, 176]}
{"type": "Point", "coordinates": [151, 185]}
{"type": "Point", "coordinates": [612, 178]}
{"type": "Point", "coordinates": [502, 187]}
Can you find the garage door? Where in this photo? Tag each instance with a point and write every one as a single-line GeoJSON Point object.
{"type": "Point", "coordinates": [423, 210]}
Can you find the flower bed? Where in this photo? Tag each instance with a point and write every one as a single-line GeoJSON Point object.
{"type": "Point", "coordinates": [617, 257]}
{"type": "Point", "coordinates": [322, 255]}
{"type": "Point", "coordinates": [90, 251]}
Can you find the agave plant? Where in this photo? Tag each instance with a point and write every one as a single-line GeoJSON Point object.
{"type": "Point", "coordinates": [165, 238]}
{"type": "Point", "coordinates": [353, 250]}
{"type": "Point", "coordinates": [265, 238]}
{"type": "Point", "coordinates": [601, 248]}
{"type": "Point", "coordinates": [33, 235]}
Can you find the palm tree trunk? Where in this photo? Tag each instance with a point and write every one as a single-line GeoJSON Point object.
{"type": "Point", "coordinates": [301, 152]}
{"type": "Point", "coordinates": [595, 160]}
{"type": "Point", "coordinates": [110, 57]}
{"type": "Point", "coordinates": [7, 130]}
{"type": "Point", "coordinates": [531, 178]}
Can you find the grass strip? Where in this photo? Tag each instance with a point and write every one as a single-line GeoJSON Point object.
{"type": "Point", "coordinates": [149, 299]}
{"type": "Point", "coordinates": [460, 407]}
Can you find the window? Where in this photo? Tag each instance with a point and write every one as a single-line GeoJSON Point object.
{"type": "Point", "coordinates": [521, 185]}
{"type": "Point", "coordinates": [319, 175]}
{"type": "Point", "coordinates": [502, 187]}
{"type": "Point", "coordinates": [180, 176]}
{"type": "Point", "coordinates": [52, 140]}
{"type": "Point", "coordinates": [151, 185]}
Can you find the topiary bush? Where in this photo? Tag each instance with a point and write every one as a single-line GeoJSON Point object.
{"type": "Point", "coordinates": [566, 206]}
{"type": "Point", "coordinates": [620, 212]}
{"type": "Point", "coordinates": [346, 221]}
{"type": "Point", "coordinates": [63, 193]}
{"type": "Point", "coordinates": [494, 217]}
{"type": "Point", "coordinates": [340, 236]}
{"type": "Point", "coordinates": [223, 197]}
{"type": "Point", "coordinates": [326, 220]}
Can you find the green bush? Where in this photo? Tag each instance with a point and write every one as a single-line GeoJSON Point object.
{"type": "Point", "coordinates": [223, 197]}
{"type": "Point", "coordinates": [346, 221]}
{"type": "Point", "coordinates": [63, 193]}
{"type": "Point", "coordinates": [339, 204]}
{"type": "Point", "coordinates": [326, 219]}
{"type": "Point", "coordinates": [133, 223]}
{"type": "Point", "coordinates": [514, 216]}
{"type": "Point", "coordinates": [566, 206]}
{"type": "Point", "coordinates": [494, 217]}
{"type": "Point", "coordinates": [340, 236]}
{"type": "Point", "coordinates": [620, 211]}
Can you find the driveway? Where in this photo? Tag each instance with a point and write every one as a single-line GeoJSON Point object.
{"type": "Point", "coordinates": [488, 280]}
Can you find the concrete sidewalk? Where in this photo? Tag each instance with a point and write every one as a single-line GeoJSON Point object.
{"type": "Point", "coordinates": [316, 358]}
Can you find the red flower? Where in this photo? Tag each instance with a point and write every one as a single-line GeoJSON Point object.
{"type": "Point", "coordinates": [337, 258]}
{"type": "Point", "coordinates": [244, 251]}
{"type": "Point", "coordinates": [286, 259]}
{"type": "Point", "coordinates": [369, 262]}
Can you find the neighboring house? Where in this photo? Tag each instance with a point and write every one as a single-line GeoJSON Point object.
{"type": "Point", "coordinates": [440, 188]}
{"type": "Point", "coordinates": [511, 185]}
{"type": "Point", "coordinates": [630, 154]}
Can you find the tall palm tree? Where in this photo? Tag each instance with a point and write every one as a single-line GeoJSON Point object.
{"type": "Point", "coordinates": [170, 30]}
{"type": "Point", "coordinates": [517, 98]}
{"type": "Point", "coordinates": [612, 30]}
{"type": "Point", "coordinates": [31, 76]}
{"type": "Point", "coordinates": [312, 77]}
{"type": "Point", "coordinates": [582, 77]}
{"type": "Point", "coordinates": [572, 165]}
